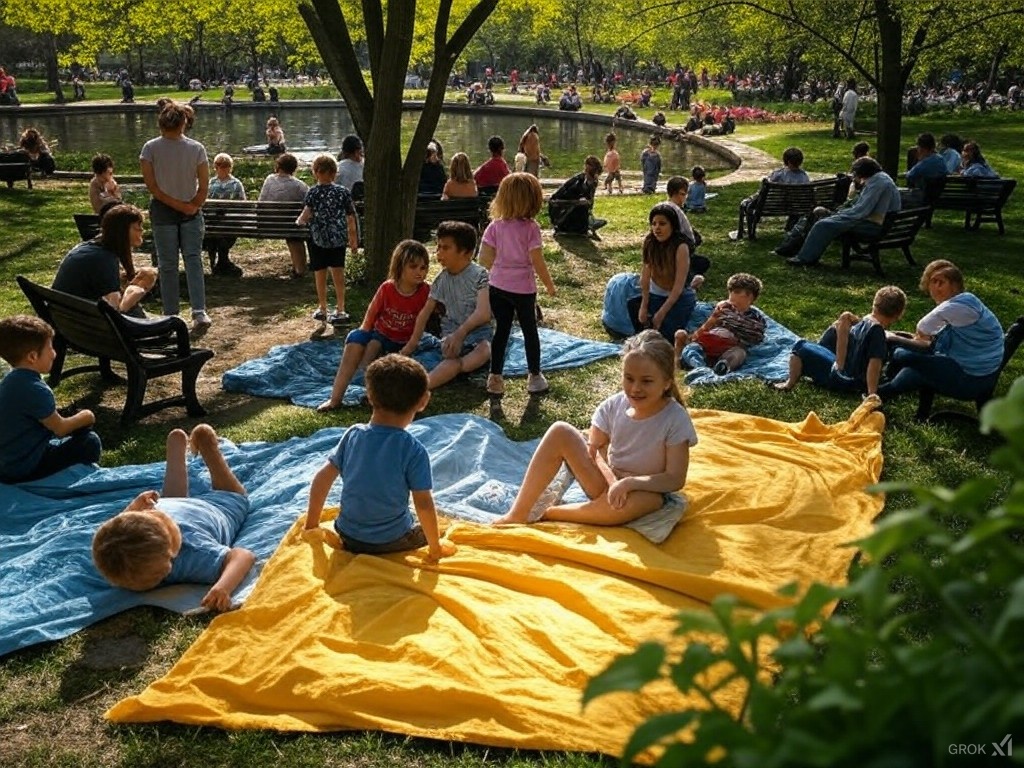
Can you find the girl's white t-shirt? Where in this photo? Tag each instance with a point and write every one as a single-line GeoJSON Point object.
{"type": "Point", "coordinates": [637, 446]}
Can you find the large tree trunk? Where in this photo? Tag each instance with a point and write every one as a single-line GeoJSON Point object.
{"type": "Point", "coordinates": [993, 73]}
{"type": "Point", "coordinates": [890, 88]}
{"type": "Point", "coordinates": [52, 71]}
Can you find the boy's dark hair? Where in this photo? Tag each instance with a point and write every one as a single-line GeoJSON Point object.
{"type": "Point", "coordinates": [101, 162]}
{"type": "Point", "coordinates": [462, 233]}
{"type": "Point", "coordinates": [698, 172]}
{"type": "Point", "coordinates": [610, 138]}
{"type": "Point", "coordinates": [351, 144]}
{"type": "Point", "coordinates": [655, 140]}
{"type": "Point", "coordinates": [677, 184]}
{"type": "Point", "coordinates": [286, 162]}
{"type": "Point", "coordinates": [396, 383]}
{"type": "Point", "coordinates": [865, 167]}
{"type": "Point", "coordinates": [889, 301]}
{"type": "Point", "coordinates": [861, 149]}
{"type": "Point", "coordinates": [952, 141]}
{"type": "Point", "coordinates": [793, 156]}
{"type": "Point", "coordinates": [20, 335]}
{"type": "Point", "coordinates": [496, 145]}
{"type": "Point", "coordinates": [926, 141]}
{"type": "Point", "coordinates": [742, 281]}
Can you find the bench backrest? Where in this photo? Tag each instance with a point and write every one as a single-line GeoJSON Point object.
{"type": "Point", "coordinates": [968, 193]}
{"type": "Point", "coordinates": [84, 325]}
{"type": "Point", "coordinates": [15, 166]}
{"type": "Point", "coordinates": [430, 213]}
{"type": "Point", "coordinates": [252, 218]}
{"type": "Point", "coordinates": [901, 227]}
{"type": "Point", "coordinates": [776, 199]}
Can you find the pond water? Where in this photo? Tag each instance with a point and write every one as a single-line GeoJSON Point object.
{"type": "Point", "coordinates": [309, 130]}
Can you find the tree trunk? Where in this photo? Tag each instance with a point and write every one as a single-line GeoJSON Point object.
{"type": "Point", "coordinates": [890, 88]}
{"type": "Point", "coordinates": [52, 70]}
{"type": "Point", "coordinates": [993, 73]}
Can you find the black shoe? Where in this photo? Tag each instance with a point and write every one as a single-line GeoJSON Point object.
{"type": "Point", "coordinates": [797, 262]}
{"type": "Point", "coordinates": [598, 223]}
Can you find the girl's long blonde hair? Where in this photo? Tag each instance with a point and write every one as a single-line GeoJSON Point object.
{"type": "Point", "coordinates": [519, 197]}
{"type": "Point", "coordinates": [652, 345]}
{"type": "Point", "coordinates": [460, 170]}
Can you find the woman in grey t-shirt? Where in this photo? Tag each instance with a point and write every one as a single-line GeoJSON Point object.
{"type": "Point", "coordinates": [282, 186]}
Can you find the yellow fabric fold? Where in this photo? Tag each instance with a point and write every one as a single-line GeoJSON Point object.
{"type": "Point", "coordinates": [496, 644]}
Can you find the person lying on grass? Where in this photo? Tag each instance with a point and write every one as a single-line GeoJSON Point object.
{"type": "Point", "coordinates": [174, 538]}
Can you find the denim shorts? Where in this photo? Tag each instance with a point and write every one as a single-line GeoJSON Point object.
{"type": "Point", "coordinates": [414, 538]}
{"type": "Point", "coordinates": [474, 337]}
{"type": "Point", "coordinates": [359, 336]}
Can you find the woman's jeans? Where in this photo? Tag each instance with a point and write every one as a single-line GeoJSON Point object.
{"type": "Point", "coordinates": [185, 237]}
{"type": "Point", "coordinates": [827, 230]}
{"type": "Point", "coordinates": [677, 316]}
{"type": "Point", "coordinates": [910, 371]}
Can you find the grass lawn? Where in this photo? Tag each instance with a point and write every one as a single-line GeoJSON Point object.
{"type": "Point", "coordinates": [53, 696]}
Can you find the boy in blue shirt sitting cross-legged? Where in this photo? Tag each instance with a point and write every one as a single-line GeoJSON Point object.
{"type": "Point", "coordinates": [380, 463]}
{"type": "Point", "coordinates": [174, 538]}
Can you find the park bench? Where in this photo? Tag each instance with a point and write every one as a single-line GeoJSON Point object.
{"type": "Point", "coordinates": [430, 213]}
{"type": "Point", "coordinates": [926, 397]}
{"type": "Point", "coordinates": [15, 166]}
{"type": "Point", "coordinates": [792, 201]}
{"type": "Point", "coordinates": [261, 219]}
{"type": "Point", "coordinates": [980, 199]}
{"type": "Point", "coordinates": [149, 349]}
{"type": "Point", "coordinates": [898, 231]}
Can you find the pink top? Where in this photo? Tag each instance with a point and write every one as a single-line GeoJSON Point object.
{"type": "Point", "coordinates": [512, 241]}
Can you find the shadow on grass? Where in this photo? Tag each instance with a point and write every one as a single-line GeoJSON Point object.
{"type": "Point", "coordinates": [22, 249]}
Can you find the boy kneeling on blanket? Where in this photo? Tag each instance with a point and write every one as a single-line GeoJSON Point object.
{"type": "Point", "coordinates": [380, 463]}
{"type": "Point", "coordinates": [180, 538]}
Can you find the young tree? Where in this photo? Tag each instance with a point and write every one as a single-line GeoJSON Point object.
{"type": "Point", "coordinates": [389, 30]}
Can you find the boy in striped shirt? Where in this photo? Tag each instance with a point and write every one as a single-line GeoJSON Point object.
{"type": "Point", "coordinates": [734, 326]}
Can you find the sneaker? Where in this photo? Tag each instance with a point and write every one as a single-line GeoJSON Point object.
{"type": "Point", "coordinates": [721, 368]}
{"type": "Point", "coordinates": [200, 324]}
{"type": "Point", "coordinates": [536, 384]}
{"type": "Point", "coordinates": [598, 223]}
{"type": "Point", "coordinates": [293, 275]}
{"type": "Point", "coordinates": [228, 268]}
{"type": "Point", "coordinates": [320, 316]}
{"type": "Point", "coordinates": [338, 317]}
{"type": "Point", "coordinates": [552, 494]}
{"type": "Point", "coordinates": [495, 384]}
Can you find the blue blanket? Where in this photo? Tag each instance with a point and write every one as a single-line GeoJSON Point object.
{"type": "Point", "coordinates": [304, 373]}
{"type": "Point", "coordinates": [768, 360]}
{"type": "Point", "coordinates": [49, 588]}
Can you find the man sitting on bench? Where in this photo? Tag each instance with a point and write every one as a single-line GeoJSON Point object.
{"type": "Point", "coordinates": [571, 205]}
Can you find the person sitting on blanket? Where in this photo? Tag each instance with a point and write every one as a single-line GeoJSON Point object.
{"type": "Point", "coordinates": [636, 454]}
{"type": "Point", "coordinates": [851, 353]}
{"type": "Point", "coordinates": [380, 463]}
{"type": "Point", "coordinates": [463, 292]}
{"type": "Point", "coordinates": [173, 537]}
{"type": "Point", "coordinates": [31, 421]}
{"type": "Point", "coordinates": [390, 318]}
{"type": "Point", "coordinates": [734, 326]}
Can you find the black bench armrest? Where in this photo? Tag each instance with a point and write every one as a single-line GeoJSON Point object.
{"type": "Point", "coordinates": [165, 329]}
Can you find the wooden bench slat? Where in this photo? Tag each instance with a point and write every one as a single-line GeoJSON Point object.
{"type": "Point", "coordinates": [898, 231]}
{"type": "Point", "coordinates": [15, 166]}
{"type": "Point", "coordinates": [792, 200]}
{"type": "Point", "coordinates": [981, 200]}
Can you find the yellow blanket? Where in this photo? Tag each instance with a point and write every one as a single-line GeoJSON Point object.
{"type": "Point", "coordinates": [495, 645]}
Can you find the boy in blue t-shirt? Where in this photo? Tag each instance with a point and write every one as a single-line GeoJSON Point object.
{"type": "Point", "coordinates": [174, 538]}
{"type": "Point", "coordinates": [850, 354]}
{"type": "Point", "coordinates": [30, 419]}
{"type": "Point", "coordinates": [380, 463]}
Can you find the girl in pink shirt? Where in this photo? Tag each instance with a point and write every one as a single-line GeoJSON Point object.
{"type": "Point", "coordinates": [390, 318]}
{"type": "Point", "coordinates": [511, 250]}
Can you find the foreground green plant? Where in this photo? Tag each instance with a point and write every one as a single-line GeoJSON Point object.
{"type": "Point", "coordinates": [923, 664]}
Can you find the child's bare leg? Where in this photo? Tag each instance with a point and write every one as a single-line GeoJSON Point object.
{"type": "Point", "coordinates": [176, 475]}
{"type": "Point", "coordinates": [297, 253]}
{"type": "Point", "coordinates": [681, 339]}
{"type": "Point", "coordinates": [734, 357]}
{"type": "Point", "coordinates": [598, 511]}
{"type": "Point", "coordinates": [562, 442]}
{"type": "Point", "coordinates": [448, 369]}
{"type": "Point", "coordinates": [338, 277]}
{"type": "Point", "coordinates": [320, 281]}
{"type": "Point", "coordinates": [353, 357]}
{"type": "Point", "coordinates": [204, 442]}
{"type": "Point", "coordinates": [796, 367]}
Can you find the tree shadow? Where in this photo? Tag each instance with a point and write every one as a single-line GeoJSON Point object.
{"type": "Point", "coordinates": [580, 246]}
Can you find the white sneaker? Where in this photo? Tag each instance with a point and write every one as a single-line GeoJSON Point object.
{"type": "Point", "coordinates": [552, 494]}
{"type": "Point", "coordinates": [536, 384]}
{"type": "Point", "coordinates": [201, 323]}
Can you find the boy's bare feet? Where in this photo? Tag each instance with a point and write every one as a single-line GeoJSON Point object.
{"type": "Point", "coordinates": [680, 340]}
{"type": "Point", "coordinates": [328, 405]}
{"type": "Point", "coordinates": [202, 438]}
{"type": "Point", "coordinates": [783, 386]}
{"type": "Point", "coordinates": [177, 441]}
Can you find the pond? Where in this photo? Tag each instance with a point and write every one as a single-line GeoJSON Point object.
{"type": "Point", "coordinates": [311, 129]}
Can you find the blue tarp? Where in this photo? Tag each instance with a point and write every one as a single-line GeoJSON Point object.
{"type": "Point", "coordinates": [304, 373]}
{"type": "Point", "coordinates": [49, 588]}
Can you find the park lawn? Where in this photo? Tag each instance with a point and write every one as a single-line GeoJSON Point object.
{"type": "Point", "coordinates": [53, 696]}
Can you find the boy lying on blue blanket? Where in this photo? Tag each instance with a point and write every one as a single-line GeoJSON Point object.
{"type": "Point", "coordinates": [180, 538]}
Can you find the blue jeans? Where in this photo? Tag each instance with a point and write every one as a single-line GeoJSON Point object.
{"type": "Point", "coordinates": [910, 371]}
{"type": "Point", "coordinates": [827, 230]}
{"type": "Point", "coordinates": [677, 316]}
{"type": "Point", "coordinates": [816, 361]}
{"type": "Point", "coordinates": [80, 447]}
{"type": "Point", "coordinates": [186, 238]}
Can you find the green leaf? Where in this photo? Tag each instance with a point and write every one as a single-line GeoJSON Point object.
{"type": "Point", "coordinates": [696, 658]}
{"type": "Point", "coordinates": [811, 604]}
{"type": "Point", "coordinates": [835, 697]}
{"type": "Point", "coordinates": [628, 672]}
{"type": "Point", "coordinates": [1012, 612]}
{"type": "Point", "coordinates": [982, 532]}
{"type": "Point", "coordinates": [654, 731]}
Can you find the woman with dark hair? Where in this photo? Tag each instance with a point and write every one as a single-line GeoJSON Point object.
{"type": "Point", "coordinates": [957, 349]}
{"type": "Point", "coordinates": [90, 269]}
{"type": "Point", "coordinates": [282, 186]}
{"type": "Point", "coordinates": [667, 301]}
{"type": "Point", "coordinates": [974, 164]}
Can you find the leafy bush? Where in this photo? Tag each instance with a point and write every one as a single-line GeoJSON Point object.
{"type": "Point", "coordinates": [923, 665]}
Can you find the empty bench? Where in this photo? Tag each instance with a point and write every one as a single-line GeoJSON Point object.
{"type": "Point", "coordinates": [149, 349]}
{"type": "Point", "coordinates": [981, 200]}
{"type": "Point", "coordinates": [15, 166]}
{"type": "Point", "coordinates": [261, 219]}
{"type": "Point", "coordinates": [898, 231]}
{"type": "Point", "coordinates": [791, 201]}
